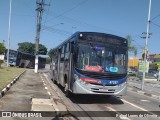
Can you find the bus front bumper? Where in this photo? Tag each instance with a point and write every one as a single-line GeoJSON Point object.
{"type": "Point", "coordinates": [88, 88]}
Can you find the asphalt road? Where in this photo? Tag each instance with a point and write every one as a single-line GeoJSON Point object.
{"type": "Point", "coordinates": [133, 102]}
{"type": "Point", "coordinates": [152, 87]}
{"type": "Point", "coordinates": [89, 107]}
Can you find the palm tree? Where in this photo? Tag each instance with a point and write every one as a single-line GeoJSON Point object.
{"type": "Point", "coordinates": [131, 48]}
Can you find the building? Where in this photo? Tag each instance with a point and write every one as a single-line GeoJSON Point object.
{"type": "Point", "coordinates": [133, 62]}
{"type": "Point", "coordinates": [151, 57]}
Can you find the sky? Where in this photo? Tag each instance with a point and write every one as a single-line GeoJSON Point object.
{"type": "Point", "coordinates": [61, 18]}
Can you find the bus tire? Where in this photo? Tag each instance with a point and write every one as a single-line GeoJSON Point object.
{"type": "Point", "coordinates": [54, 81]}
{"type": "Point", "coordinates": [22, 65]}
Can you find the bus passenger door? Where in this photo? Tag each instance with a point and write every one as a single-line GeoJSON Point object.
{"type": "Point", "coordinates": [55, 66]}
{"type": "Point", "coordinates": [61, 66]}
{"type": "Point", "coordinates": [58, 66]}
{"type": "Point", "coordinates": [71, 68]}
{"type": "Point", "coordinates": [71, 72]}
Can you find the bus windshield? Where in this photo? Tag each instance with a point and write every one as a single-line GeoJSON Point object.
{"type": "Point", "coordinates": [100, 59]}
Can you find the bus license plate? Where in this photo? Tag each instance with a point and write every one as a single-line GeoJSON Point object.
{"type": "Point", "coordinates": [103, 90]}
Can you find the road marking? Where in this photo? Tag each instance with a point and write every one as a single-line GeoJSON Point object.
{"type": "Point", "coordinates": [145, 100]}
{"type": "Point", "coordinates": [46, 88]}
{"type": "Point", "coordinates": [111, 109]}
{"type": "Point", "coordinates": [44, 84]}
{"type": "Point", "coordinates": [142, 93]}
{"type": "Point", "coordinates": [121, 117]}
{"type": "Point", "coordinates": [49, 93]}
{"type": "Point", "coordinates": [133, 105]}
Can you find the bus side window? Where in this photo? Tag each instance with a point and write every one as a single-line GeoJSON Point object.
{"type": "Point", "coordinates": [62, 53]}
{"type": "Point", "coordinates": [67, 51]}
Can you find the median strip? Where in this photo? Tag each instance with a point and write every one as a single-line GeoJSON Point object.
{"type": "Point", "coordinates": [4, 91]}
{"type": "Point", "coordinates": [144, 93]}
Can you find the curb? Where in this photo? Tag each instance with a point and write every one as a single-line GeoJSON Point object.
{"type": "Point", "coordinates": [144, 93]}
{"type": "Point", "coordinates": [57, 106]}
{"type": "Point", "coordinates": [152, 81]}
{"type": "Point", "coordinates": [3, 92]}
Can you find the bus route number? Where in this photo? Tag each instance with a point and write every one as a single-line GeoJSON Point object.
{"type": "Point", "coordinates": [113, 82]}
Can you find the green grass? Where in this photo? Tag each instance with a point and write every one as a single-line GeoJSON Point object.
{"type": "Point", "coordinates": [7, 74]}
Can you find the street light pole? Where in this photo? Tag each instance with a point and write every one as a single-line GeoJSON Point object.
{"type": "Point", "coordinates": [146, 45]}
{"type": "Point", "coordinates": [9, 29]}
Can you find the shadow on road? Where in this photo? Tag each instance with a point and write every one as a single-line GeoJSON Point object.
{"type": "Point", "coordinates": [95, 99]}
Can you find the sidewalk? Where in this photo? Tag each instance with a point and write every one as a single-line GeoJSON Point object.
{"type": "Point", "coordinates": [151, 87]}
{"type": "Point", "coordinates": [149, 80]}
{"type": "Point", "coordinates": [27, 94]}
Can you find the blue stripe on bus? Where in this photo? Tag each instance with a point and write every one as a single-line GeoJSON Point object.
{"type": "Point", "coordinates": [103, 81]}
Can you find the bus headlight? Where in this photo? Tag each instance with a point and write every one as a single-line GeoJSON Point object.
{"type": "Point", "coordinates": [79, 79]}
{"type": "Point", "coordinates": [84, 80]}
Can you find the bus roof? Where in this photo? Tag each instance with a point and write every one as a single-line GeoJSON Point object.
{"type": "Point", "coordinates": [76, 34]}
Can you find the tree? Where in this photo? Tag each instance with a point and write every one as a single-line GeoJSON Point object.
{"type": "Point", "coordinates": [2, 48]}
{"type": "Point", "coordinates": [153, 66]}
{"type": "Point", "coordinates": [135, 52]}
{"type": "Point", "coordinates": [42, 49]}
{"type": "Point", "coordinates": [29, 47]}
{"type": "Point", "coordinates": [26, 47]}
{"type": "Point", "coordinates": [131, 48]}
{"type": "Point", "coordinates": [50, 53]}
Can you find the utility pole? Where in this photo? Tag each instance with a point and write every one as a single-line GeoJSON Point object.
{"type": "Point", "coordinates": [9, 29]}
{"type": "Point", "coordinates": [146, 45]}
{"type": "Point", "coordinates": [39, 10]}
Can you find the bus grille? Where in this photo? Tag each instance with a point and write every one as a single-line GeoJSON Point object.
{"type": "Point", "coordinates": [96, 90]}
{"type": "Point", "coordinates": [105, 76]}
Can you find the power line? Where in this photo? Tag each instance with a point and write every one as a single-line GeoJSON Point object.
{"type": "Point", "coordinates": [155, 17]}
{"type": "Point", "coordinates": [77, 22]}
{"type": "Point", "coordinates": [47, 12]}
{"type": "Point", "coordinates": [151, 21]}
{"type": "Point", "coordinates": [62, 32]}
{"type": "Point", "coordinates": [79, 4]}
{"type": "Point", "coordinates": [155, 24]}
{"type": "Point", "coordinates": [138, 44]}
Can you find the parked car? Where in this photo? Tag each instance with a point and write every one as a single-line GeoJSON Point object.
{"type": "Point", "coordinates": [153, 72]}
{"type": "Point", "coordinates": [130, 72]}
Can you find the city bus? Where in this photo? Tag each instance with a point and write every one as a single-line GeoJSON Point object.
{"type": "Point", "coordinates": [91, 63]}
{"type": "Point", "coordinates": [24, 60]}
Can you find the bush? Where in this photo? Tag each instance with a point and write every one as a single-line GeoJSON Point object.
{"type": "Point", "coordinates": [153, 66]}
